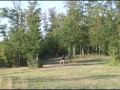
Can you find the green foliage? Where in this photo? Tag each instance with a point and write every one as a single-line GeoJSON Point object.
{"type": "Point", "coordinates": [91, 27]}
{"type": "Point", "coordinates": [33, 34]}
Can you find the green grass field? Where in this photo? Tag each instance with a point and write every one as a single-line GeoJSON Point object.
{"type": "Point", "coordinates": [83, 73]}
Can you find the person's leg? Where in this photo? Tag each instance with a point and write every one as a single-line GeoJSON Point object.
{"type": "Point", "coordinates": [63, 61]}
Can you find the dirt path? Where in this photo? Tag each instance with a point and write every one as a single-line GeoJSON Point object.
{"type": "Point", "coordinates": [54, 63]}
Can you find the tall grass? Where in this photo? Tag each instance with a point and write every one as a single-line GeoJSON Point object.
{"type": "Point", "coordinates": [13, 83]}
{"type": "Point", "coordinates": [70, 76]}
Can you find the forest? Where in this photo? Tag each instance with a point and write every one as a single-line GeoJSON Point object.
{"type": "Point", "coordinates": [88, 28]}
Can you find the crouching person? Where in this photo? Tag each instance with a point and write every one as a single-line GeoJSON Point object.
{"type": "Point", "coordinates": [62, 60]}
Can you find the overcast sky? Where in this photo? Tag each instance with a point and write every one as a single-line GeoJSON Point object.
{"type": "Point", "coordinates": [45, 5]}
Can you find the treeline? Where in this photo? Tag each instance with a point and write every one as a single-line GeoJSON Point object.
{"type": "Point", "coordinates": [89, 27]}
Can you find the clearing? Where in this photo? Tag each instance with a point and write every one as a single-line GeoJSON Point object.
{"type": "Point", "coordinates": [83, 73]}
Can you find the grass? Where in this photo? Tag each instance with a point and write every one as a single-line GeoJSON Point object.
{"type": "Point", "coordinates": [83, 73]}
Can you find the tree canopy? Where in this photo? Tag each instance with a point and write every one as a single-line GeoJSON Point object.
{"type": "Point", "coordinates": [89, 27]}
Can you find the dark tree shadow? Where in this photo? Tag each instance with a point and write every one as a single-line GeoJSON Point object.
{"type": "Point", "coordinates": [51, 61]}
{"type": "Point", "coordinates": [55, 62]}
{"type": "Point", "coordinates": [23, 71]}
{"type": "Point", "coordinates": [94, 77]}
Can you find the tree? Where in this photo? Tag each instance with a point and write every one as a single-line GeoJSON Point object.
{"type": "Point", "coordinates": [33, 35]}
{"type": "Point", "coordinates": [75, 24]}
{"type": "Point", "coordinates": [13, 43]}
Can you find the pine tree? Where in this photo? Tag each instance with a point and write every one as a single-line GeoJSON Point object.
{"type": "Point", "coordinates": [34, 36]}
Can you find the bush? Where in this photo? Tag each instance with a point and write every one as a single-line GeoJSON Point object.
{"type": "Point", "coordinates": [2, 63]}
{"type": "Point", "coordinates": [114, 61]}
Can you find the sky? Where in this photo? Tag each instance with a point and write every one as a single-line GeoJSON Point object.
{"type": "Point", "coordinates": [45, 5]}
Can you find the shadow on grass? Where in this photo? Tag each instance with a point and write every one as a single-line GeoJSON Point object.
{"type": "Point", "coordinates": [55, 63]}
{"type": "Point", "coordinates": [16, 82]}
{"type": "Point", "coordinates": [51, 61]}
{"type": "Point", "coordinates": [14, 72]}
{"type": "Point", "coordinates": [75, 63]}
{"type": "Point", "coordinates": [105, 76]}
{"type": "Point", "coordinates": [89, 60]}
{"type": "Point", "coordinates": [94, 77]}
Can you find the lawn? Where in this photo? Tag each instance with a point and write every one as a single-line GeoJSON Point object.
{"type": "Point", "coordinates": [83, 73]}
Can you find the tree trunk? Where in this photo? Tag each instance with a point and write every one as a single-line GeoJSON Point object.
{"type": "Point", "coordinates": [91, 50]}
{"type": "Point", "coordinates": [113, 53]}
{"type": "Point", "coordinates": [99, 49]}
{"type": "Point", "coordinates": [82, 51]}
{"type": "Point", "coordinates": [37, 63]}
{"type": "Point", "coordinates": [74, 50]}
{"type": "Point", "coordinates": [96, 50]}
{"type": "Point", "coordinates": [69, 51]}
{"type": "Point", "coordinates": [19, 56]}
{"type": "Point", "coordinates": [88, 51]}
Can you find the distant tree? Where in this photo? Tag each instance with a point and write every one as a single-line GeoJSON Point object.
{"type": "Point", "coordinates": [13, 44]}
{"type": "Point", "coordinates": [34, 35]}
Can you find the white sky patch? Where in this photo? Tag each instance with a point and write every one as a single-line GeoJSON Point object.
{"type": "Point", "coordinates": [44, 5]}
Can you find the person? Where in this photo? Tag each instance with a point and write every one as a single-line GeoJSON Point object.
{"type": "Point", "coordinates": [62, 60]}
